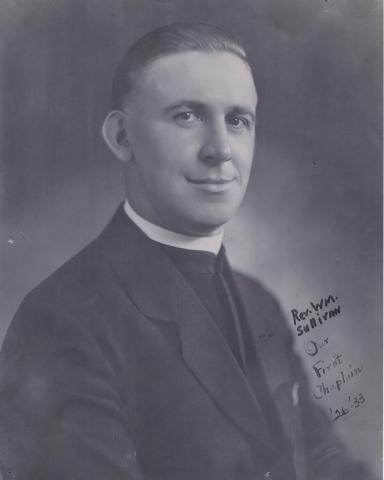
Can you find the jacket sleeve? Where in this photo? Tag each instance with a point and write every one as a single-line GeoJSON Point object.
{"type": "Point", "coordinates": [60, 416]}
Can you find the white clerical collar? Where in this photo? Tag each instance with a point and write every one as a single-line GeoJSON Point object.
{"type": "Point", "coordinates": [167, 237]}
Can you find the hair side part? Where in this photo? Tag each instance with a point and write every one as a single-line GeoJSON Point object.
{"type": "Point", "coordinates": [168, 40]}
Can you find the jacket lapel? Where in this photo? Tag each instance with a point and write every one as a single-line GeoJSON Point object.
{"type": "Point", "coordinates": [271, 350]}
{"type": "Point", "coordinates": [209, 357]}
{"type": "Point", "coordinates": [160, 292]}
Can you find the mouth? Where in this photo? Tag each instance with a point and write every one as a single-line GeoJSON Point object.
{"type": "Point", "coordinates": [211, 181]}
{"type": "Point", "coordinates": [214, 184]}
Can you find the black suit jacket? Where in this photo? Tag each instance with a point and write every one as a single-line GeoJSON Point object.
{"type": "Point", "coordinates": [113, 369]}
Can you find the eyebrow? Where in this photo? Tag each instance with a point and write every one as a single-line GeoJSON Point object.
{"type": "Point", "coordinates": [201, 106]}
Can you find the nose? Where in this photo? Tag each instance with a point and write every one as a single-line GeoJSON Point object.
{"type": "Point", "coordinates": [216, 147]}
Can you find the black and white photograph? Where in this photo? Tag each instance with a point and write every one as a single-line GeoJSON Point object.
{"type": "Point", "coordinates": [191, 240]}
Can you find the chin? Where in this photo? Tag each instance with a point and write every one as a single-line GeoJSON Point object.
{"type": "Point", "coordinates": [209, 225]}
{"type": "Point", "coordinates": [203, 218]}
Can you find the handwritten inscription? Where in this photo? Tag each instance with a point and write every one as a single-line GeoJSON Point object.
{"type": "Point", "coordinates": [312, 348]}
{"type": "Point", "coordinates": [321, 367]}
{"type": "Point", "coordinates": [345, 376]}
{"type": "Point", "coordinates": [316, 314]}
{"type": "Point", "coordinates": [353, 403]}
{"type": "Point", "coordinates": [333, 373]}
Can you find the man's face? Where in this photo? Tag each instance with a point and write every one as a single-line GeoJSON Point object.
{"type": "Point", "coordinates": [191, 127]}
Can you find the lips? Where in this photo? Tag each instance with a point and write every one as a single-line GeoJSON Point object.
{"type": "Point", "coordinates": [211, 181]}
{"type": "Point", "coordinates": [214, 185]}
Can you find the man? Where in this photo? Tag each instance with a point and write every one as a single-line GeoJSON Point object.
{"type": "Point", "coordinates": [145, 356]}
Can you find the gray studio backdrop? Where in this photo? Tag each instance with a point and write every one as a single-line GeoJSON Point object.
{"type": "Point", "coordinates": [310, 225]}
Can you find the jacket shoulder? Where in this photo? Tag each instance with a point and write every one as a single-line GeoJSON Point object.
{"type": "Point", "coordinates": [47, 310]}
{"type": "Point", "coordinates": [74, 282]}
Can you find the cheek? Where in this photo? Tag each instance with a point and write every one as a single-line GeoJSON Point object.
{"type": "Point", "coordinates": [170, 146]}
{"type": "Point", "coordinates": [244, 158]}
{"type": "Point", "coordinates": [174, 139]}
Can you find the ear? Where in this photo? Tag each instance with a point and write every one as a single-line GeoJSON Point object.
{"type": "Point", "coordinates": [114, 132]}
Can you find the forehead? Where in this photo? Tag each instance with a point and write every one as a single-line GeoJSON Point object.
{"type": "Point", "coordinates": [219, 78]}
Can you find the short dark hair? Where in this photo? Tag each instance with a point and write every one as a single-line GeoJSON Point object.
{"type": "Point", "coordinates": [166, 40]}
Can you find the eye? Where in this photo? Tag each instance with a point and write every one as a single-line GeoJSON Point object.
{"type": "Point", "coordinates": [186, 118]}
{"type": "Point", "coordinates": [238, 122]}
